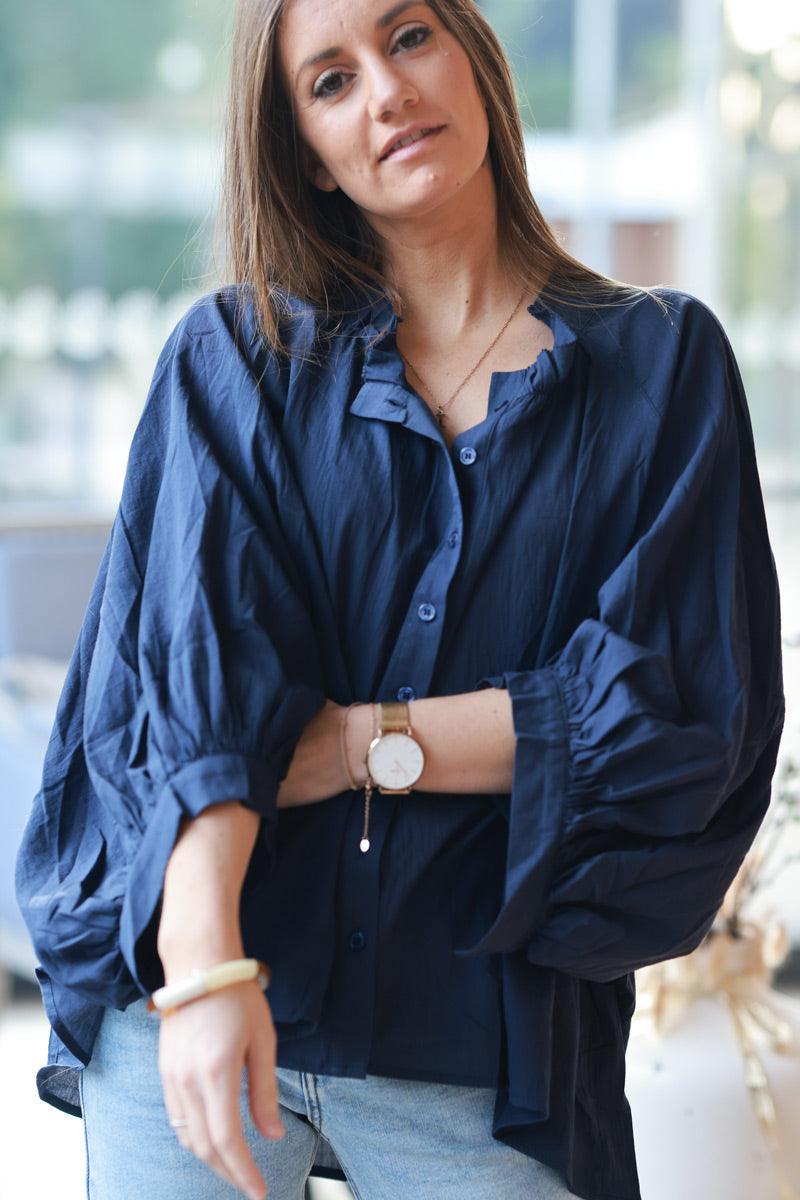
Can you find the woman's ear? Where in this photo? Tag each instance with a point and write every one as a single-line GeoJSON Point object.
{"type": "Point", "coordinates": [321, 178]}
{"type": "Point", "coordinates": [316, 173]}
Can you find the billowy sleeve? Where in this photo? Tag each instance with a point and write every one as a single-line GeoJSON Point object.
{"type": "Point", "coordinates": [646, 745]}
{"type": "Point", "coordinates": [195, 672]}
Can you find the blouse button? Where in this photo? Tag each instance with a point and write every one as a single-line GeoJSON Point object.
{"type": "Point", "coordinates": [406, 694]}
{"type": "Point", "coordinates": [426, 612]}
{"type": "Point", "coordinates": [467, 456]}
{"type": "Point", "coordinates": [357, 941]}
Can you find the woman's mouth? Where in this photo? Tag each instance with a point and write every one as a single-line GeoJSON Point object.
{"type": "Point", "coordinates": [407, 140]}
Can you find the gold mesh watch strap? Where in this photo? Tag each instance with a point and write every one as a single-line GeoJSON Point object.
{"type": "Point", "coordinates": [394, 717]}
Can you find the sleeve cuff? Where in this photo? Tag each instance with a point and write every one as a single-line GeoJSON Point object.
{"type": "Point", "coordinates": [193, 788]}
{"type": "Point", "coordinates": [539, 789]}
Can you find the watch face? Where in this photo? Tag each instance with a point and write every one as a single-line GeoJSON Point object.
{"type": "Point", "coordinates": [395, 761]}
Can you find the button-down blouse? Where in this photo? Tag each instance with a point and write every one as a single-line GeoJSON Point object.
{"type": "Point", "coordinates": [296, 527]}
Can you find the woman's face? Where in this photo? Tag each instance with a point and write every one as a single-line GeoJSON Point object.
{"type": "Point", "coordinates": [386, 105]}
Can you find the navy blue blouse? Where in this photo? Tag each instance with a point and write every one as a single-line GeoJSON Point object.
{"type": "Point", "coordinates": [296, 527]}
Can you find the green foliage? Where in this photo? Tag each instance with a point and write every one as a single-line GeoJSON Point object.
{"type": "Point", "coordinates": [537, 38]}
{"type": "Point", "coordinates": [56, 53]}
{"type": "Point", "coordinates": [649, 56]}
{"type": "Point", "coordinates": [34, 250]}
{"type": "Point", "coordinates": [67, 61]}
{"type": "Point", "coordinates": [164, 255]}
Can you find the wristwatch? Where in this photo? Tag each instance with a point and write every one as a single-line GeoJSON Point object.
{"type": "Point", "coordinates": [394, 758]}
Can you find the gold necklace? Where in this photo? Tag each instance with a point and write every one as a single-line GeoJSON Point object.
{"type": "Point", "coordinates": [441, 409]}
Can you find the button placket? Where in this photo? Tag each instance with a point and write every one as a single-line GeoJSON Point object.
{"type": "Point", "coordinates": [415, 651]}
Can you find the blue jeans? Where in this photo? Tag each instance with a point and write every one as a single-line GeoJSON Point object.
{"type": "Point", "coordinates": [395, 1139]}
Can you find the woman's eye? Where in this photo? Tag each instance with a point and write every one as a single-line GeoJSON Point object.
{"type": "Point", "coordinates": [329, 84]}
{"type": "Point", "coordinates": [411, 38]}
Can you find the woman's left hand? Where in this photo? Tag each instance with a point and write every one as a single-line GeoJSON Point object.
{"type": "Point", "coordinates": [316, 771]}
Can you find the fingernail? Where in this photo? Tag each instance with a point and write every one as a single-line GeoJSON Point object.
{"type": "Point", "coordinates": [275, 1130]}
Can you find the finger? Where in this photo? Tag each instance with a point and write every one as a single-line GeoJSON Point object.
{"type": "Point", "coordinates": [176, 1110]}
{"type": "Point", "coordinates": [206, 1135]}
{"type": "Point", "coordinates": [228, 1145]}
{"type": "Point", "coordinates": [202, 1054]}
{"type": "Point", "coordinates": [172, 1104]}
{"type": "Point", "coordinates": [262, 1086]}
{"type": "Point", "coordinates": [186, 1112]}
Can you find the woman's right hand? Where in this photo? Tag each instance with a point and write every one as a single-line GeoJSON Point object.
{"type": "Point", "coordinates": [204, 1048]}
{"type": "Point", "coordinates": [207, 1044]}
{"type": "Point", "coordinates": [316, 771]}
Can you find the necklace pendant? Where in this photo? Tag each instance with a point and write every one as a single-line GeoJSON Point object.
{"type": "Point", "coordinates": [440, 416]}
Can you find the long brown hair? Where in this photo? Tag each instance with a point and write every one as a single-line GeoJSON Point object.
{"type": "Point", "coordinates": [284, 236]}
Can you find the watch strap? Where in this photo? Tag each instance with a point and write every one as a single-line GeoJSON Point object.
{"type": "Point", "coordinates": [394, 717]}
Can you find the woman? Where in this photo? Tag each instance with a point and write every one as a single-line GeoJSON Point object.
{"type": "Point", "coordinates": [434, 661]}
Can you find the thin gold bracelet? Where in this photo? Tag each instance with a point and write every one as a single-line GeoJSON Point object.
{"type": "Point", "coordinates": [351, 783]}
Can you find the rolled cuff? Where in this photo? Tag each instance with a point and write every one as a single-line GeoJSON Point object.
{"type": "Point", "coordinates": [193, 788]}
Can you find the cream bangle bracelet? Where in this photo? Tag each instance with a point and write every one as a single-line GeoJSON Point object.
{"type": "Point", "coordinates": [202, 983]}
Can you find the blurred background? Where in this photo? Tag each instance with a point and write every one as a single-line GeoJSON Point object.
{"type": "Point", "coordinates": [663, 144]}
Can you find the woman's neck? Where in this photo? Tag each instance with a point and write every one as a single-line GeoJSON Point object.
{"type": "Point", "coordinates": [464, 312]}
{"type": "Point", "coordinates": [446, 267]}
{"type": "Point", "coordinates": [448, 287]}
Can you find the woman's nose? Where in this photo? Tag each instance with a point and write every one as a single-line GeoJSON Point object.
{"type": "Point", "coordinates": [390, 90]}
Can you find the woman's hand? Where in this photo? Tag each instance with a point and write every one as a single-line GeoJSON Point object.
{"type": "Point", "coordinates": [204, 1048]}
{"type": "Point", "coordinates": [317, 771]}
